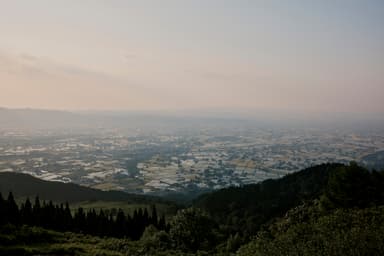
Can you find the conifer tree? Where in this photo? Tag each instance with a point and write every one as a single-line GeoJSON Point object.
{"type": "Point", "coordinates": [67, 218]}
{"type": "Point", "coordinates": [120, 223]}
{"type": "Point", "coordinates": [12, 210]}
{"type": "Point", "coordinates": [36, 210]}
{"type": "Point", "coordinates": [3, 216]}
{"type": "Point", "coordinates": [154, 218]}
{"type": "Point", "coordinates": [26, 212]}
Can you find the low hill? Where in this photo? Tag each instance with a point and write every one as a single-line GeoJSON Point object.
{"type": "Point", "coordinates": [24, 185]}
{"type": "Point", "coordinates": [306, 230]}
{"type": "Point", "coordinates": [330, 209]}
{"type": "Point", "coordinates": [246, 208]}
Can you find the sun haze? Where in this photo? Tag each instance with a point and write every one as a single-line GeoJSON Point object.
{"type": "Point", "coordinates": [169, 55]}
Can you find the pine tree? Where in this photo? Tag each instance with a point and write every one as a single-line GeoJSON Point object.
{"type": "Point", "coordinates": [3, 215]}
{"type": "Point", "coordinates": [67, 218]}
{"type": "Point", "coordinates": [162, 224]}
{"type": "Point", "coordinates": [145, 221]}
{"type": "Point", "coordinates": [12, 210]}
{"type": "Point", "coordinates": [37, 214]}
{"type": "Point", "coordinates": [154, 218]}
{"type": "Point", "coordinates": [79, 220]}
{"type": "Point", "coordinates": [26, 212]}
{"type": "Point", "coordinates": [120, 224]}
{"type": "Point", "coordinates": [102, 223]}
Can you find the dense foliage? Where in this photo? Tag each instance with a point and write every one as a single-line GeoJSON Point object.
{"type": "Point", "coordinates": [244, 209]}
{"type": "Point", "coordinates": [305, 231]}
{"type": "Point", "coordinates": [28, 241]}
{"type": "Point", "coordinates": [59, 217]}
{"type": "Point", "coordinates": [331, 209]}
{"type": "Point", "coordinates": [192, 229]}
{"type": "Point", "coordinates": [347, 220]}
{"type": "Point", "coordinates": [354, 186]}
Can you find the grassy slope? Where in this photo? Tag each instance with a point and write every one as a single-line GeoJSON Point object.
{"type": "Point", "coordinates": [38, 241]}
{"type": "Point", "coordinates": [23, 186]}
{"type": "Point", "coordinates": [26, 185]}
{"type": "Point", "coordinates": [309, 231]}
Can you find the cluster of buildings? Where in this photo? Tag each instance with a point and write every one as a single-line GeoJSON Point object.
{"type": "Point", "coordinates": [159, 163]}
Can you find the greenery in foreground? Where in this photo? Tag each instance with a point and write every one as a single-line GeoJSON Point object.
{"type": "Point", "coordinates": [26, 240]}
{"type": "Point", "coordinates": [308, 231]}
{"type": "Point", "coordinates": [325, 210]}
{"type": "Point", "coordinates": [59, 218]}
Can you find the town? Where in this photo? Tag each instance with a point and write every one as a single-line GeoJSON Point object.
{"type": "Point", "coordinates": [181, 162]}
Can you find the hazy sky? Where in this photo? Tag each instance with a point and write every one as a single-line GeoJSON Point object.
{"type": "Point", "coordinates": [316, 56]}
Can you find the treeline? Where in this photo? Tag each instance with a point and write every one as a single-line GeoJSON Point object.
{"type": "Point", "coordinates": [59, 217]}
{"type": "Point", "coordinates": [26, 185]}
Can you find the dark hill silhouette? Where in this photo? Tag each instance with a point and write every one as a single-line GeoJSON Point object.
{"type": "Point", "coordinates": [24, 185]}
{"type": "Point", "coordinates": [247, 207]}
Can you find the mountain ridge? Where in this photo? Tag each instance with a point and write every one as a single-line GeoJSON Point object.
{"type": "Point", "coordinates": [25, 185]}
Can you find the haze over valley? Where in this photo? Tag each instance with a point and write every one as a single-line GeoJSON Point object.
{"type": "Point", "coordinates": [165, 154]}
{"type": "Point", "coordinates": [193, 127]}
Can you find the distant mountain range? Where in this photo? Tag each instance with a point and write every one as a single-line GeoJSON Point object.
{"type": "Point", "coordinates": [36, 119]}
{"type": "Point", "coordinates": [40, 119]}
{"type": "Point", "coordinates": [55, 119]}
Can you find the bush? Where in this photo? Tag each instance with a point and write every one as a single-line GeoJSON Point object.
{"type": "Point", "coordinates": [192, 229]}
{"type": "Point", "coordinates": [343, 232]}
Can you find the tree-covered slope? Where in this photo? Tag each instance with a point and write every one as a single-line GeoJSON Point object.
{"type": "Point", "coordinates": [246, 208]}
{"type": "Point", "coordinates": [347, 219]}
{"type": "Point", "coordinates": [308, 231]}
{"type": "Point", "coordinates": [330, 209]}
{"type": "Point", "coordinates": [23, 185]}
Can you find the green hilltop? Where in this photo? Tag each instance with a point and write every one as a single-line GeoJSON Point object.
{"type": "Point", "coordinates": [24, 185]}
{"type": "Point", "coordinates": [330, 209]}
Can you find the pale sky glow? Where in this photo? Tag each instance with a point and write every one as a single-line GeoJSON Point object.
{"type": "Point", "coordinates": [198, 54]}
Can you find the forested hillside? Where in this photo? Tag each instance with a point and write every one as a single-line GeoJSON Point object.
{"type": "Point", "coordinates": [330, 209]}
{"type": "Point", "coordinates": [24, 185]}
{"type": "Point", "coordinates": [60, 218]}
{"type": "Point", "coordinates": [245, 209]}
